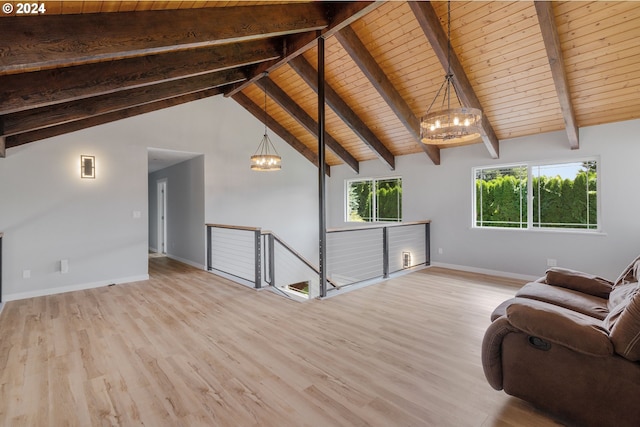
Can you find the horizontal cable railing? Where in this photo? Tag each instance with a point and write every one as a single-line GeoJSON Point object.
{"type": "Point", "coordinates": [289, 271]}
{"type": "Point", "coordinates": [255, 258]}
{"type": "Point", "coordinates": [234, 252]}
{"type": "Point", "coordinates": [249, 256]}
{"type": "Point", "coordinates": [359, 254]}
{"type": "Point", "coordinates": [355, 255]}
{"type": "Point", "coordinates": [408, 246]}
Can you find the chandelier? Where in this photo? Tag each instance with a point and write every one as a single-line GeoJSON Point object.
{"type": "Point", "coordinates": [447, 124]}
{"type": "Point", "coordinates": [266, 158]}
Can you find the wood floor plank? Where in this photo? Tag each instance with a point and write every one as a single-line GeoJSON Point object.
{"type": "Point", "coordinates": [188, 348]}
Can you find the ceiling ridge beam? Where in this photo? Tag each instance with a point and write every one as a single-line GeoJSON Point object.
{"type": "Point", "coordinates": [340, 107]}
{"type": "Point", "coordinates": [108, 36]}
{"type": "Point", "coordinates": [278, 129]}
{"type": "Point", "coordinates": [48, 87]}
{"type": "Point", "coordinates": [430, 24]}
{"type": "Point", "coordinates": [28, 120]}
{"type": "Point", "coordinates": [342, 15]}
{"type": "Point", "coordinates": [49, 132]}
{"type": "Point", "coordinates": [368, 65]}
{"type": "Point", "coordinates": [305, 120]}
{"type": "Point", "coordinates": [546, 19]}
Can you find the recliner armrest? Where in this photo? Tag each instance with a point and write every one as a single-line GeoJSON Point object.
{"type": "Point", "coordinates": [492, 350]}
{"type": "Point", "coordinates": [561, 326]}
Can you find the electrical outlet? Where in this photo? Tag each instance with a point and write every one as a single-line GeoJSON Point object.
{"type": "Point", "coordinates": [440, 251]}
{"type": "Point", "coordinates": [551, 262]}
{"type": "Point", "coordinates": [26, 274]}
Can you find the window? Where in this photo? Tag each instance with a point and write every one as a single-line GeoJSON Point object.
{"type": "Point", "coordinates": [371, 200]}
{"type": "Point", "coordinates": [563, 196]}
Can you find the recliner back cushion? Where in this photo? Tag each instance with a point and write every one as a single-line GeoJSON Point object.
{"type": "Point", "coordinates": [630, 274]}
{"type": "Point", "coordinates": [625, 330]}
{"type": "Point", "coordinates": [579, 281]}
{"type": "Point", "coordinates": [621, 294]}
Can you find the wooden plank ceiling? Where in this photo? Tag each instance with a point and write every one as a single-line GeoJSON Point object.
{"type": "Point", "coordinates": [532, 67]}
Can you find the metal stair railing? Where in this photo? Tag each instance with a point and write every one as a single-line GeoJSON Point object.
{"type": "Point", "coordinates": [356, 255]}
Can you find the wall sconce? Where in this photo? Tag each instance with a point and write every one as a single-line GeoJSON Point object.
{"type": "Point", "coordinates": [406, 259]}
{"type": "Point", "coordinates": [87, 167]}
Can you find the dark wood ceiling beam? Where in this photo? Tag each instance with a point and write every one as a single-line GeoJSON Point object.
{"type": "Point", "coordinates": [305, 120]}
{"type": "Point", "coordinates": [27, 120]}
{"type": "Point", "coordinates": [108, 36]}
{"type": "Point", "coordinates": [363, 59]}
{"type": "Point", "coordinates": [340, 107]}
{"type": "Point", "coordinates": [342, 15]}
{"type": "Point", "coordinates": [546, 18]}
{"type": "Point", "coordinates": [42, 88]}
{"type": "Point", "coordinates": [49, 132]}
{"type": "Point", "coordinates": [430, 24]}
{"type": "Point", "coordinates": [278, 129]}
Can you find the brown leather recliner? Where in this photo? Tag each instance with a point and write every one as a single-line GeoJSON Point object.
{"type": "Point", "coordinates": [569, 343]}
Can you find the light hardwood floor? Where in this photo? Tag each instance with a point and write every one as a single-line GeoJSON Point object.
{"type": "Point", "coordinates": [188, 348]}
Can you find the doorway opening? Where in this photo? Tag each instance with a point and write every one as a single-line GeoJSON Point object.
{"type": "Point", "coordinates": [161, 186]}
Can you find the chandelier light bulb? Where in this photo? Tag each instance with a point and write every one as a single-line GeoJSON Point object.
{"type": "Point", "coordinates": [456, 121]}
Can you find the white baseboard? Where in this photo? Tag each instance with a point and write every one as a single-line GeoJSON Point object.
{"type": "Point", "coordinates": [71, 288]}
{"type": "Point", "coordinates": [188, 262]}
{"type": "Point", "coordinates": [498, 273]}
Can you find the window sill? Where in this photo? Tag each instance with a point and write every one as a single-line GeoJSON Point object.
{"type": "Point", "coordinates": [542, 230]}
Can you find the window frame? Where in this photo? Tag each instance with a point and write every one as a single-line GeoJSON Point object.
{"type": "Point", "coordinates": [374, 181]}
{"type": "Point", "coordinates": [530, 165]}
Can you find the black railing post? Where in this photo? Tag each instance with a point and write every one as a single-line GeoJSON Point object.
{"type": "Point", "coordinates": [427, 240]}
{"type": "Point", "coordinates": [258, 259]}
{"type": "Point", "coordinates": [209, 264]}
{"type": "Point", "coordinates": [322, 218]}
{"type": "Point", "coordinates": [385, 252]}
{"type": "Point", "coordinates": [272, 260]}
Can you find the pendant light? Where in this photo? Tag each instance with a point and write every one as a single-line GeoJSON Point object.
{"type": "Point", "coordinates": [449, 125]}
{"type": "Point", "coordinates": [266, 158]}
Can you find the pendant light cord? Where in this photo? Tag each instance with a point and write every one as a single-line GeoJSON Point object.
{"type": "Point", "coordinates": [265, 106]}
{"type": "Point", "coordinates": [449, 76]}
{"type": "Point", "coordinates": [449, 37]}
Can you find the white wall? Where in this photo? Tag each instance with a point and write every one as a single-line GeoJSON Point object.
{"type": "Point", "coordinates": [444, 195]}
{"type": "Point", "coordinates": [48, 213]}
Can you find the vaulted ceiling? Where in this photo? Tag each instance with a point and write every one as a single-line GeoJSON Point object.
{"type": "Point", "coordinates": [532, 67]}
